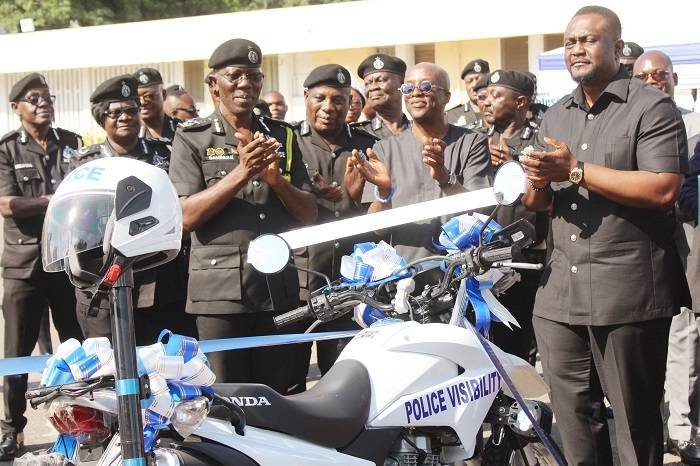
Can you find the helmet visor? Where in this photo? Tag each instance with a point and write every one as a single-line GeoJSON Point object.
{"type": "Point", "coordinates": [73, 225]}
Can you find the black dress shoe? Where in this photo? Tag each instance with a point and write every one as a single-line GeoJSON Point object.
{"type": "Point", "coordinates": [10, 445]}
{"type": "Point", "coordinates": [688, 451]}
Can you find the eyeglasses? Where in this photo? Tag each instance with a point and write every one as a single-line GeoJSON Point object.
{"type": "Point", "coordinates": [37, 98]}
{"type": "Point", "coordinates": [191, 111]}
{"type": "Point", "coordinates": [147, 98]}
{"type": "Point", "coordinates": [254, 77]}
{"type": "Point", "coordinates": [115, 114]}
{"type": "Point", "coordinates": [658, 75]}
{"type": "Point", "coordinates": [424, 87]}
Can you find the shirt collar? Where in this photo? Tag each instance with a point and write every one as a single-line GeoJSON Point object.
{"type": "Point", "coordinates": [618, 87]}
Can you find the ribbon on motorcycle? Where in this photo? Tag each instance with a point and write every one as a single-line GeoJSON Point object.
{"type": "Point", "coordinates": [371, 263]}
{"type": "Point", "coordinates": [462, 232]}
{"type": "Point", "coordinates": [176, 367]}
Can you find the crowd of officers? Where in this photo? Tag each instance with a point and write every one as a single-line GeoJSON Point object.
{"type": "Point", "coordinates": [243, 171]}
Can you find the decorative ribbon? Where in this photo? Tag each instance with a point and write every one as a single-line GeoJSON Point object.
{"type": "Point", "coordinates": [371, 262]}
{"type": "Point", "coordinates": [176, 367]}
{"type": "Point", "coordinates": [460, 233]}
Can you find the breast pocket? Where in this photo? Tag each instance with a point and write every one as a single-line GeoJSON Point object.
{"type": "Point", "coordinates": [215, 274]}
{"type": "Point", "coordinates": [215, 170]}
{"type": "Point", "coordinates": [619, 154]}
{"type": "Point", "coordinates": [28, 180]}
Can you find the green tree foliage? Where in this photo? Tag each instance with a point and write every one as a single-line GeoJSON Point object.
{"type": "Point", "coordinates": [56, 14]}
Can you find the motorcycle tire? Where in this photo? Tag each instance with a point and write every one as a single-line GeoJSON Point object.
{"type": "Point", "coordinates": [505, 455]}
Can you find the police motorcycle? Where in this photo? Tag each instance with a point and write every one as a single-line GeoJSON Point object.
{"type": "Point", "coordinates": [401, 393]}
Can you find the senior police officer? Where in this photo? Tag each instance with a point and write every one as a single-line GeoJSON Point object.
{"type": "Point", "coordinates": [611, 159]}
{"type": "Point", "coordinates": [155, 123]}
{"type": "Point", "coordinates": [327, 142]}
{"type": "Point", "coordinates": [469, 113]}
{"type": "Point", "coordinates": [505, 109]}
{"type": "Point", "coordinates": [159, 293]}
{"type": "Point", "coordinates": [33, 160]}
{"type": "Point", "coordinates": [432, 160]}
{"type": "Point", "coordinates": [239, 176]}
{"type": "Point", "coordinates": [383, 75]}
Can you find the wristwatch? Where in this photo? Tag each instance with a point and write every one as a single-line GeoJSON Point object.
{"type": "Point", "coordinates": [451, 181]}
{"type": "Point", "coordinates": [576, 173]}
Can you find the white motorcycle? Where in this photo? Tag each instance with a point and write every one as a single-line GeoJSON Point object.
{"type": "Point", "coordinates": [400, 394]}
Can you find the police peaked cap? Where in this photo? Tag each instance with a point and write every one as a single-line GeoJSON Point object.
{"type": "Point", "coordinates": [632, 50]}
{"type": "Point", "coordinates": [381, 62]}
{"type": "Point", "coordinates": [116, 89]}
{"type": "Point", "coordinates": [236, 52]}
{"type": "Point", "coordinates": [514, 80]}
{"type": "Point", "coordinates": [475, 66]}
{"type": "Point", "coordinates": [148, 77]}
{"type": "Point", "coordinates": [31, 81]}
{"type": "Point", "coordinates": [328, 75]}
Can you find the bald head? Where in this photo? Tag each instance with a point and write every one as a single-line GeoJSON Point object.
{"type": "Point", "coordinates": [427, 106]}
{"type": "Point", "coordinates": [655, 68]}
{"type": "Point", "coordinates": [437, 74]}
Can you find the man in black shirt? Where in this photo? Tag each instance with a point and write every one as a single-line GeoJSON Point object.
{"type": "Point", "coordinates": [609, 166]}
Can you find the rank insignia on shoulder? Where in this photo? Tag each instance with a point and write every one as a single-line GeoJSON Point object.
{"type": "Point", "coordinates": [461, 121]}
{"type": "Point", "coordinates": [193, 122]}
{"type": "Point", "coordinates": [68, 154]}
{"type": "Point", "coordinates": [220, 153]}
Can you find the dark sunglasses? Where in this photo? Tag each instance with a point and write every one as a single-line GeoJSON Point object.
{"type": "Point", "coordinates": [115, 114]}
{"type": "Point", "coordinates": [255, 77]}
{"type": "Point", "coordinates": [36, 99]}
{"type": "Point", "coordinates": [658, 75]}
{"type": "Point", "coordinates": [424, 87]}
{"type": "Point", "coordinates": [191, 111]}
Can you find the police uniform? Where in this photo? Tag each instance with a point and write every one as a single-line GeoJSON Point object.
{"type": "Point", "coordinates": [148, 77]}
{"type": "Point", "coordinates": [464, 114]}
{"type": "Point", "coordinates": [159, 293]}
{"type": "Point", "coordinates": [228, 296]}
{"type": "Point", "coordinates": [630, 52]}
{"type": "Point", "coordinates": [373, 64]}
{"type": "Point", "coordinates": [29, 171]}
{"type": "Point", "coordinates": [330, 164]}
{"type": "Point", "coordinates": [614, 279]}
{"type": "Point", "coordinates": [520, 298]}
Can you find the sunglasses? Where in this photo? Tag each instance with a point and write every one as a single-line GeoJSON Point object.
{"type": "Point", "coordinates": [191, 111]}
{"type": "Point", "coordinates": [115, 114]}
{"type": "Point", "coordinates": [658, 75]}
{"type": "Point", "coordinates": [254, 77]}
{"type": "Point", "coordinates": [37, 98]}
{"type": "Point", "coordinates": [424, 87]}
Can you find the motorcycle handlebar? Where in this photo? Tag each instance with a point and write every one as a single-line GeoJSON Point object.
{"type": "Point", "coordinates": [290, 317]}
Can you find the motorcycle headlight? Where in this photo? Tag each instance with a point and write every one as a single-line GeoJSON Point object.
{"type": "Point", "coordinates": [189, 415]}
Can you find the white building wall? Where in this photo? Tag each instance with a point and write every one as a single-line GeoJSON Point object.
{"type": "Point", "coordinates": [72, 89]}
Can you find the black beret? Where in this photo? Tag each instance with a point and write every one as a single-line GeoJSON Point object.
{"type": "Point", "coordinates": [328, 75]}
{"type": "Point", "coordinates": [482, 83]}
{"type": "Point", "coordinates": [381, 62]}
{"type": "Point", "coordinates": [236, 52]}
{"type": "Point", "coordinates": [475, 66]}
{"type": "Point", "coordinates": [147, 77]}
{"type": "Point", "coordinates": [175, 89]}
{"type": "Point", "coordinates": [632, 50]}
{"type": "Point", "coordinates": [31, 81]}
{"type": "Point", "coordinates": [512, 79]}
{"type": "Point", "coordinates": [116, 89]}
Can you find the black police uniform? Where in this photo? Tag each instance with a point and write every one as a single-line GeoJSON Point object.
{"type": "Point", "coordinates": [464, 114]}
{"type": "Point", "coordinates": [229, 298]}
{"type": "Point", "coordinates": [27, 170]}
{"type": "Point", "coordinates": [169, 128]}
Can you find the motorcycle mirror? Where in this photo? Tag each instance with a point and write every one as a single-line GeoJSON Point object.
{"type": "Point", "coordinates": [509, 183]}
{"type": "Point", "coordinates": [268, 253]}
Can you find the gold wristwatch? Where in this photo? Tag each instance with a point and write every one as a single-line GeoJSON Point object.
{"type": "Point", "coordinates": [576, 173]}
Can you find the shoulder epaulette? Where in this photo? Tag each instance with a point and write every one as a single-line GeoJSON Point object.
{"type": "Point", "coordinates": [456, 106]}
{"type": "Point", "coordinates": [360, 124]}
{"type": "Point", "coordinates": [194, 123]}
{"type": "Point", "coordinates": [271, 121]}
{"type": "Point", "coordinates": [9, 136]}
{"type": "Point", "coordinates": [361, 131]}
{"type": "Point", "coordinates": [88, 150]}
{"type": "Point", "coordinates": [156, 140]}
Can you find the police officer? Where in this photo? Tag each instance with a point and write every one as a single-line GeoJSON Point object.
{"type": "Point", "coordinates": [159, 293]}
{"type": "Point", "coordinates": [179, 104]}
{"type": "Point", "coordinates": [155, 123]}
{"type": "Point", "coordinates": [239, 176]}
{"type": "Point", "coordinates": [630, 52]}
{"type": "Point", "coordinates": [383, 75]}
{"type": "Point", "coordinates": [537, 109]}
{"type": "Point", "coordinates": [468, 113]}
{"type": "Point", "coordinates": [33, 160]}
{"type": "Point", "coordinates": [327, 143]}
{"type": "Point", "coordinates": [481, 91]}
{"type": "Point", "coordinates": [505, 110]}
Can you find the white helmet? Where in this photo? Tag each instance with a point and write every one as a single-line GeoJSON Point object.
{"type": "Point", "coordinates": [113, 210]}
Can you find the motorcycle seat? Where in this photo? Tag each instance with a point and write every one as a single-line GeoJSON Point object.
{"type": "Point", "coordinates": [332, 413]}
